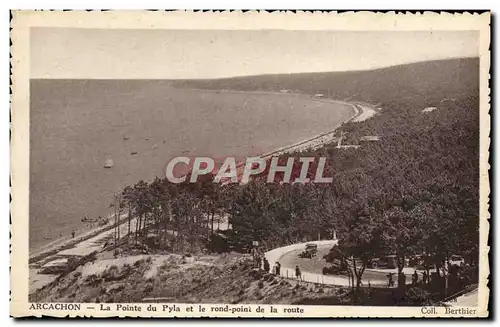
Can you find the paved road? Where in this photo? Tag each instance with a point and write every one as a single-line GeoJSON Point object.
{"type": "Point", "coordinates": [316, 264]}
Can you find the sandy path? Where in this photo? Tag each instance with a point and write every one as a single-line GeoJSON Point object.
{"type": "Point", "coordinates": [67, 241]}
{"type": "Point", "coordinates": [95, 243]}
{"type": "Point", "coordinates": [367, 112]}
{"type": "Point", "coordinates": [87, 245]}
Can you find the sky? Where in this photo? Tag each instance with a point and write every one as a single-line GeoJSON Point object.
{"type": "Point", "coordinates": [80, 53]}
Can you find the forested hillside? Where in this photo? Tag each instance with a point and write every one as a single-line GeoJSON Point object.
{"type": "Point", "coordinates": [432, 81]}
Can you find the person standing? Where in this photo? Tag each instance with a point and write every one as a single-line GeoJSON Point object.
{"type": "Point", "coordinates": [255, 256]}
{"type": "Point", "coordinates": [390, 281]}
{"type": "Point", "coordinates": [278, 269]}
{"type": "Point", "coordinates": [414, 279]}
{"type": "Point", "coordinates": [425, 277]}
{"type": "Point", "coordinates": [266, 265]}
{"type": "Point", "coordinates": [298, 273]}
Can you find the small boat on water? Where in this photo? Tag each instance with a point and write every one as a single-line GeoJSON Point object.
{"type": "Point", "coordinates": [88, 220]}
{"type": "Point", "coordinates": [109, 163]}
{"type": "Point", "coordinates": [133, 153]}
{"type": "Point", "coordinates": [126, 138]}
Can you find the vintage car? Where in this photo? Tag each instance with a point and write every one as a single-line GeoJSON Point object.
{"type": "Point", "coordinates": [310, 251]}
{"type": "Point", "coordinates": [388, 261]}
{"type": "Point", "coordinates": [457, 260]}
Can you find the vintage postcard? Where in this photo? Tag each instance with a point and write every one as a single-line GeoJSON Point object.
{"type": "Point", "coordinates": [250, 164]}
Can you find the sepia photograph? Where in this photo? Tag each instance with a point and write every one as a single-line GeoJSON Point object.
{"type": "Point", "coordinates": [173, 170]}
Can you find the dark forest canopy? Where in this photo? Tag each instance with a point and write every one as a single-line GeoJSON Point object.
{"type": "Point", "coordinates": [393, 84]}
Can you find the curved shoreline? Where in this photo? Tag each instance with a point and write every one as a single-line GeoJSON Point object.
{"type": "Point", "coordinates": [362, 111]}
{"type": "Point", "coordinates": [310, 143]}
{"type": "Point", "coordinates": [314, 142]}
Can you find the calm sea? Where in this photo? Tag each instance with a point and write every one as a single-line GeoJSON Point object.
{"type": "Point", "coordinates": [77, 124]}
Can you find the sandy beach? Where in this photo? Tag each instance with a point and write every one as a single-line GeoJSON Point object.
{"type": "Point", "coordinates": [66, 242]}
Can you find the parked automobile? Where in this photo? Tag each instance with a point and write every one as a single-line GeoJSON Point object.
{"type": "Point", "coordinates": [388, 261]}
{"type": "Point", "coordinates": [421, 261]}
{"type": "Point", "coordinates": [457, 260]}
{"type": "Point", "coordinates": [416, 260]}
{"type": "Point", "coordinates": [310, 251]}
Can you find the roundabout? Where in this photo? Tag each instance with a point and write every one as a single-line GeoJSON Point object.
{"type": "Point", "coordinates": [312, 268]}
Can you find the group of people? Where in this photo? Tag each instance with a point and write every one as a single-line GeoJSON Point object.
{"type": "Point", "coordinates": [261, 262]}
{"type": "Point", "coordinates": [414, 278]}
